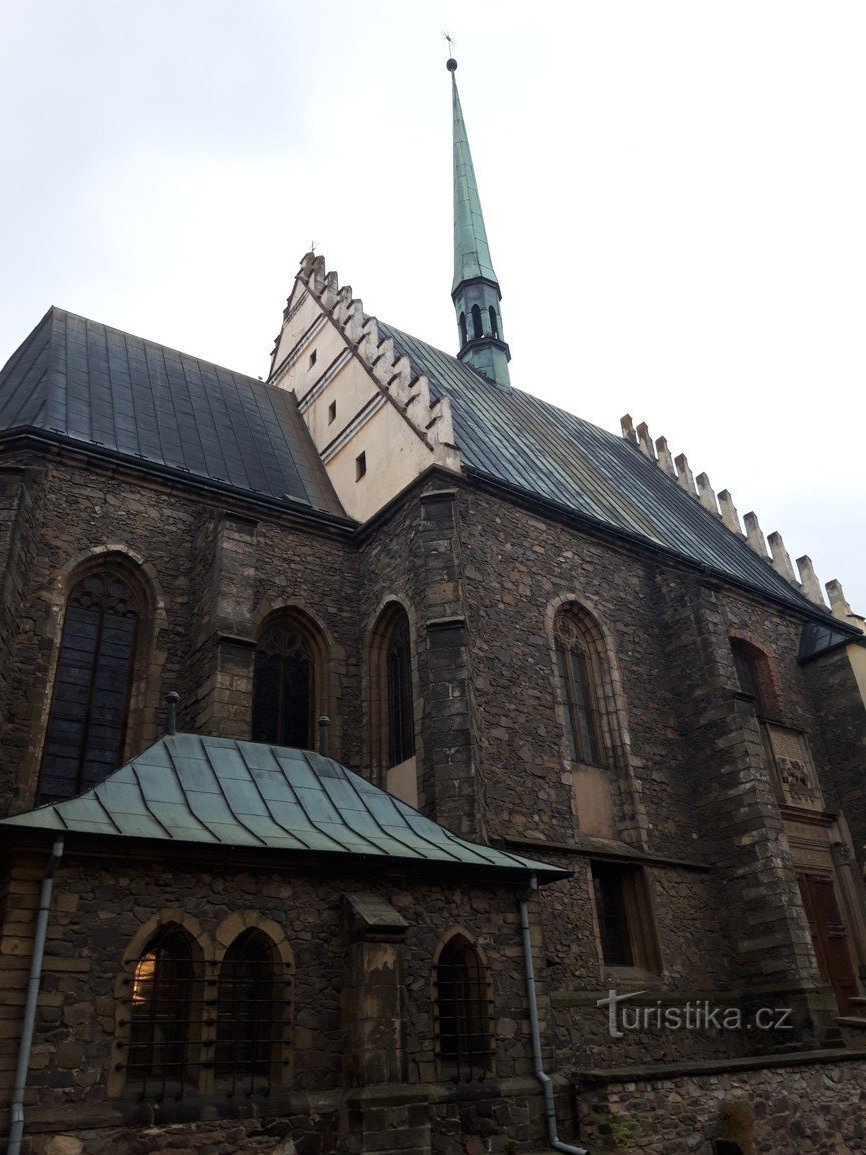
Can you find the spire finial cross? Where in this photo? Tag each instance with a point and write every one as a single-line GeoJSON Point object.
{"type": "Point", "coordinates": [450, 63]}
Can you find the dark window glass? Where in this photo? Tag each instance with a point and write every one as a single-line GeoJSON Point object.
{"type": "Point", "coordinates": [246, 1011]}
{"type": "Point", "coordinates": [577, 692]}
{"type": "Point", "coordinates": [476, 322]}
{"type": "Point", "coordinates": [283, 688]}
{"type": "Point", "coordinates": [747, 675]}
{"type": "Point", "coordinates": [610, 907]}
{"type": "Point", "coordinates": [464, 1032]}
{"type": "Point", "coordinates": [87, 721]}
{"type": "Point", "coordinates": [494, 324]}
{"type": "Point", "coordinates": [401, 723]}
{"type": "Point", "coordinates": [464, 336]}
{"type": "Point", "coordinates": [160, 1017]}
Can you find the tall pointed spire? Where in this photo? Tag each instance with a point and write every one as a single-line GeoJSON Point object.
{"type": "Point", "coordinates": [475, 289]}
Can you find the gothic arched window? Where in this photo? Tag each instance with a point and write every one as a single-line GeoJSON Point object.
{"type": "Point", "coordinates": [755, 677]}
{"type": "Point", "coordinates": [247, 1014]}
{"type": "Point", "coordinates": [464, 336]}
{"type": "Point", "coordinates": [161, 1012]}
{"type": "Point", "coordinates": [284, 686]}
{"type": "Point", "coordinates": [401, 722]}
{"type": "Point", "coordinates": [90, 703]}
{"type": "Point", "coordinates": [494, 324]}
{"type": "Point", "coordinates": [477, 331]}
{"type": "Point", "coordinates": [463, 1011]}
{"type": "Point", "coordinates": [578, 688]}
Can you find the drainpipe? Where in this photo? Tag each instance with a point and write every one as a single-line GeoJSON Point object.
{"type": "Point", "coordinates": [544, 1080]}
{"type": "Point", "coordinates": [16, 1129]}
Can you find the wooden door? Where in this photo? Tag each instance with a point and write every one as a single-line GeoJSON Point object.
{"type": "Point", "coordinates": [829, 937]}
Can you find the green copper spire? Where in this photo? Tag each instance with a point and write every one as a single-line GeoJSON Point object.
{"type": "Point", "coordinates": [475, 289]}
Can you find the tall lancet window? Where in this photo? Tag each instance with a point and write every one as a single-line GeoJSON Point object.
{"type": "Point", "coordinates": [578, 683]}
{"type": "Point", "coordinates": [284, 685]}
{"type": "Point", "coordinates": [401, 723]}
{"type": "Point", "coordinates": [477, 330]}
{"type": "Point", "coordinates": [90, 703]}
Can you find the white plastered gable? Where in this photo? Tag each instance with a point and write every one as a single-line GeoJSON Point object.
{"type": "Point", "coordinates": [368, 411]}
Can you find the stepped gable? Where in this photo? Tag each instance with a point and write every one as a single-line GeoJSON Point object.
{"type": "Point", "coordinates": [533, 447]}
{"type": "Point", "coordinates": [117, 395]}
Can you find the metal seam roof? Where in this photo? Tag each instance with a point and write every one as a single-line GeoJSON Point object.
{"type": "Point", "coordinates": [548, 453]}
{"type": "Point", "coordinates": [190, 788]}
{"type": "Point", "coordinates": [102, 387]}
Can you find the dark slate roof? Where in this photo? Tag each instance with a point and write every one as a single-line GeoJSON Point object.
{"type": "Point", "coordinates": [118, 394]}
{"type": "Point", "coordinates": [547, 453]}
{"type": "Point", "coordinates": [188, 788]}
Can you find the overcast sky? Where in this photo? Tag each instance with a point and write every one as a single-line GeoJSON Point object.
{"type": "Point", "coordinates": [675, 197]}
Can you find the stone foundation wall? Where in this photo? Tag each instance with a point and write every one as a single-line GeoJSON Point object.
{"type": "Point", "coordinates": [811, 1106]}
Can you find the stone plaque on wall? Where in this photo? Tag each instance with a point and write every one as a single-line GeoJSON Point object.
{"type": "Point", "coordinates": [793, 769]}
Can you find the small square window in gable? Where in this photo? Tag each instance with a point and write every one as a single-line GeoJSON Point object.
{"type": "Point", "coordinates": [332, 412]}
{"type": "Point", "coordinates": [313, 357]}
{"type": "Point", "coordinates": [360, 466]}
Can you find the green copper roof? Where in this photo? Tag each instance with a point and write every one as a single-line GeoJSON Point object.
{"type": "Point", "coordinates": [191, 788]}
{"type": "Point", "coordinates": [471, 251]}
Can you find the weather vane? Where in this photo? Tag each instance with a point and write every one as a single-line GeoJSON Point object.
{"type": "Point", "coordinates": [451, 63]}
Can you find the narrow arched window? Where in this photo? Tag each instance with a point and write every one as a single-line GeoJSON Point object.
{"type": "Point", "coordinates": [755, 677]}
{"type": "Point", "coordinates": [160, 1022]}
{"type": "Point", "coordinates": [247, 1015]}
{"type": "Point", "coordinates": [464, 337]}
{"type": "Point", "coordinates": [577, 675]}
{"type": "Point", "coordinates": [476, 322]}
{"type": "Point", "coordinates": [284, 686]}
{"type": "Point", "coordinates": [494, 323]}
{"type": "Point", "coordinates": [401, 722]}
{"type": "Point", "coordinates": [463, 1012]}
{"type": "Point", "coordinates": [90, 703]}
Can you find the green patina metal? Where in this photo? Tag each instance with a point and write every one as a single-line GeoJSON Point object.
{"type": "Point", "coordinates": [471, 250]}
{"type": "Point", "coordinates": [475, 289]}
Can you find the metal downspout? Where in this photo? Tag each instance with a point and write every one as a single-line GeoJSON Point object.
{"type": "Point", "coordinates": [16, 1128]}
{"type": "Point", "coordinates": [544, 1080]}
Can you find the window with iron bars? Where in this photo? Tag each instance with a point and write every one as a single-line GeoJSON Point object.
{"type": "Point", "coordinates": [195, 1027]}
{"type": "Point", "coordinates": [463, 1005]}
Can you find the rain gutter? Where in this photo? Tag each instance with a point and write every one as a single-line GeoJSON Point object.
{"type": "Point", "coordinates": [16, 1129]}
{"type": "Point", "coordinates": [544, 1079]}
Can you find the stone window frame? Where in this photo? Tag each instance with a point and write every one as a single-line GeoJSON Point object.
{"type": "Point", "coordinates": [640, 922]}
{"type": "Point", "coordinates": [768, 700]}
{"type": "Point", "coordinates": [143, 707]}
{"type": "Point", "coordinates": [298, 617]}
{"type": "Point", "coordinates": [207, 954]}
{"type": "Point", "coordinates": [446, 1068]}
{"type": "Point", "coordinates": [629, 813]}
{"type": "Point", "coordinates": [379, 634]}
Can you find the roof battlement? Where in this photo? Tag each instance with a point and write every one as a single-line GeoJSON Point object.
{"type": "Point", "coordinates": [771, 550]}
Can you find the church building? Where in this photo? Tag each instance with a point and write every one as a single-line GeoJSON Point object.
{"type": "Point", "coordinates": [395, 762]}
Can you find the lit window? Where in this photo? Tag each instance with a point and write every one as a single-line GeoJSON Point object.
{"type": "Point", "coordinates": [160, 1014]}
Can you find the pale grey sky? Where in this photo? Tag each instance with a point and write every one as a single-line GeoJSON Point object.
{"type": "Point", "coordinates": [674, 195]}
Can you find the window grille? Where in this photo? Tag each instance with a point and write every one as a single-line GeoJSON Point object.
{"type": "Point", "coordinates": [248, 1016]}
{"type": "Point", "coordinates": [90, 702]}
{"type": "Point", "coordinates": [193, 1028]}
{"type": "Point", "coordinates": [464, 1013]}
{"type": "Point", "coordinates": [284, 688]}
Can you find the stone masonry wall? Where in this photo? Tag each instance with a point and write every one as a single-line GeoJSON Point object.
{"type": "Point", "coordinates": [813, 1108]}
{"type": "Point", "coordinates": [212, 574]}
{"type": "Point", "coordinates": [101, 905]}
